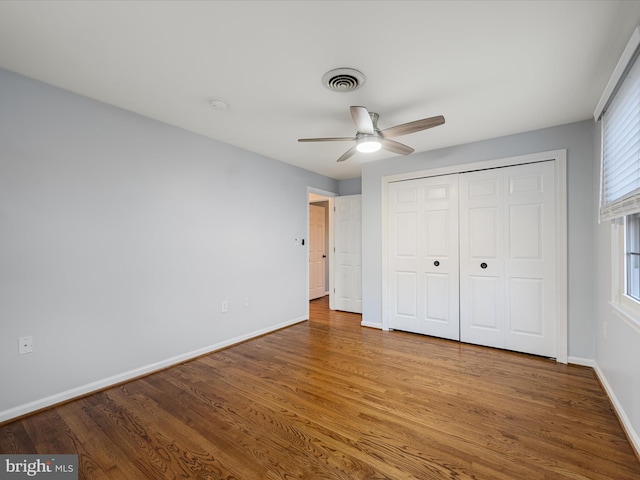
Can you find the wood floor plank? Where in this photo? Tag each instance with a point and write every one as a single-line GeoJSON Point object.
{"type": "Point", "coordinates": [15, 439]}
{"type": "Point", "coordinates": [98, 456]}
{"type": "Point", "coordinates": [329, 399]}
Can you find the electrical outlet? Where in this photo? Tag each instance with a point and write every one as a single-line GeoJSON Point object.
{"type": "Point", "coordinates": [225, 306]}
{"type": "Point", "coordinates": [25, 345]}
{"type": "Point", "coordinates": [245, 302]}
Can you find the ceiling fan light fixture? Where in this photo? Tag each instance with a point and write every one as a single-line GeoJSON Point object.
{"type": "Point", "coordinates": [368, 143]}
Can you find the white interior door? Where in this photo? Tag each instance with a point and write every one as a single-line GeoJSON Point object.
{"type": "Point", "coordinates": [317, 253]}
{"type": "Point", "coordinates": [507, 258]}
{"type": "Point", "coordinates": [423, 256]}
{"type": "Point", "coordinates": [348, 253]}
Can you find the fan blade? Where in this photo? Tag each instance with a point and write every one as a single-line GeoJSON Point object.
{"type": "Point", "coordinates": [328, 139]}
{"type": "Point", "coordinates": [348, 154]}
{"type": "Point", "coordinates": [396, 147]}
{"type": "Point", "coordinates": [412, 127]}
{"type": "Point", "coordinates": [362, 119]}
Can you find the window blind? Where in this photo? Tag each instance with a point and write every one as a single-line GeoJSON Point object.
{"type": "Point", "coordinates": [620, 170]}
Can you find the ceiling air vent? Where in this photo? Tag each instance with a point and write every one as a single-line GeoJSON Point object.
{"type": "Point", "coordinates": [343, 80]}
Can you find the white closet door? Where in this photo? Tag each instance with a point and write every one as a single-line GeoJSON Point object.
{"type": "Point", "coordinates": [423, 256]}
{"type": "Point", "coordinates": [507, 258]}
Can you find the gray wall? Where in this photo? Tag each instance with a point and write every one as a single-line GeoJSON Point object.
{"type": "Point", "coordinates": [120, 237]}
{"type": "Point", "coordinates": [617, 354]}
{"type": "Point", "coordinates": [352, 186]}
{"type": "Point", "coordinates": [577, 138]}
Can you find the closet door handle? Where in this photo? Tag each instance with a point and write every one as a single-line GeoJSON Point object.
{"type": "Point", "coordinates": [483, 265]}
{"type": "Point", "coordinates": [436, 263]}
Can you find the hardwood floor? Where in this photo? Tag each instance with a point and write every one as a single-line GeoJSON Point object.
{"type": "Point", "coordinates": [331, 399]}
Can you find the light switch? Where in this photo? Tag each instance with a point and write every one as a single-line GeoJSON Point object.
{"type": "Point", "coordinates": [25, 345]}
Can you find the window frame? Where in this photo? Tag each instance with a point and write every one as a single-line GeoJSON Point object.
{"type": "Point", "coordinates": [627, 307]}
{"type": "Point", "coordinates": [632, 256]}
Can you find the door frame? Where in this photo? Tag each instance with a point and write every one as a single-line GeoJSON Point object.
{"type": "Point", "coordinates": [328, 196]}
{"type": "Point", "coordinates": [560, 161]}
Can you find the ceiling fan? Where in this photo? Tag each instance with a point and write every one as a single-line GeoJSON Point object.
{"type": "Point", "coordinates": [369, 138]}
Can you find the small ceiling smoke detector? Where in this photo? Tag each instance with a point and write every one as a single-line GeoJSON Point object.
{"type": "Point", "coordinates": [218, 104]}
{"type": "Point", "coordinates": [343, 80]}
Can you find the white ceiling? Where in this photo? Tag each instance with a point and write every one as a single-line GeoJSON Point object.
{"type": "Point", "coordinates": [491, 68]}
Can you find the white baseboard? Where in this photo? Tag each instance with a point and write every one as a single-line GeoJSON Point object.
{"type": "Point", "coordinates": [372, 325]}
{"type": "Point", "coordinates": [633, 436]}
{"type": "Point", "coordinates": [98, 385]}
{"type": "Point", "coordinates": [585, 362]}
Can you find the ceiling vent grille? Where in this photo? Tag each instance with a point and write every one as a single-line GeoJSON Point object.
{"type": "Point", "coordinates": [343, 80]}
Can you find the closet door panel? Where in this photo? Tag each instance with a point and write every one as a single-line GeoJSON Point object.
{"type": "Point", "coordinates": [507, 240]}
{"type": "Point", "coordinates": [530, 270]}
{"type": "Point", "coordinates": [482, 290]}
{"type": "Point", "coordinates": [423, 244]}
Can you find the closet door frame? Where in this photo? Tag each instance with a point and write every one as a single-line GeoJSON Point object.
{"type": "Point", "coordinates": [559, 157]}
